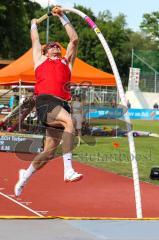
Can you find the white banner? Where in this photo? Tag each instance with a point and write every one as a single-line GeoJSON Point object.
{"type": "Point", "coordinates": [134, 78]}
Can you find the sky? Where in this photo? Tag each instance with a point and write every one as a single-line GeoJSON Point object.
{"type": "Point", "coordinates": [133, 9]}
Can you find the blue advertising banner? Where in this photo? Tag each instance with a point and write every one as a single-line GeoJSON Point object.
{"type": "Point", "coordinates": [144, 114]}
{"type": "Point", "coordinates": [103, 112]}
{"type": "Point", "coordinates": [112, 113]}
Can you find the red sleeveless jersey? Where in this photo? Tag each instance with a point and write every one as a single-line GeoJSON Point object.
{"type": "Point", "coordinates": [53, 77]}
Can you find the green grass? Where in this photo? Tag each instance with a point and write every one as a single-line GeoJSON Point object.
{"type": "Point", "coordinates": [103, 154]}
{"type": "Point", "coordinates": [149, 126]}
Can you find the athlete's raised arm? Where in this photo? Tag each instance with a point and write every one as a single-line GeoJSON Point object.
{"type": "Point", "coordinates": [36, 46]}
{"type": "Point", "coordinates": [73, 37]}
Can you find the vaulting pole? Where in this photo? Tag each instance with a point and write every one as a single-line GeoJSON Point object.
{"type": "Point", "coordinates": [123, 102]}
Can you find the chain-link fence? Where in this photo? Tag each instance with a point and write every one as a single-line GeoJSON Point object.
{"type": "Point", "coordinates": [91, 95]}
{"type": "Point", "coordinates": [148, 63]}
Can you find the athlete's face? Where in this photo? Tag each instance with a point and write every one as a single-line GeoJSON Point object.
{"type": "Point", "coordinates": [54, 50]}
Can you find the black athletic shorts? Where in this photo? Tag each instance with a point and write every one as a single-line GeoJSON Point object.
{"type": "Point", "coordinates": [45, 103]}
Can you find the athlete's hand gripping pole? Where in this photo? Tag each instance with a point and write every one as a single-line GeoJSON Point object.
{"type": "Point", "coordinates": [55, 10]}
{"type": "Point", "coordinates": [45, 16]}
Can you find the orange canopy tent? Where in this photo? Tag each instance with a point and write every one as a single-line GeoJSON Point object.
{"type": "Point", "coordinates": [22, 70]}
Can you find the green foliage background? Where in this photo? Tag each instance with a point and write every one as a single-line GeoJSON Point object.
{"type": "Point", "coordinates": [15, 17]}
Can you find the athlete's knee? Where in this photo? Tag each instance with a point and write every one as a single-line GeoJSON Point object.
{"type": "Point", "coordinates": [42, 159]}
{"type": "Point", "coordinates": [49, 154]}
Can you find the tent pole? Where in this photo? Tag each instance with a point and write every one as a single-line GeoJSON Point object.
{"type": "Point", "coordinates": [116, 106]}
{"type": "Point", "coordinates": [47, 23]}
{"type": "Point", "coordinates": [89, 104]}
{"type": "Point", "coordinates": [20, 105]}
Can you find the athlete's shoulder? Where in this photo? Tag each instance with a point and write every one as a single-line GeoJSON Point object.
{"type": "Point", "coordinates": [64, 60]}
{"type": "Point", "coordinates": [40, 62]}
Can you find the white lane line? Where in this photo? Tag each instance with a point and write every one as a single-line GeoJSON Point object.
{"type": "Point", "coordinates": [27, 203]}
{"type": "Point", "coordinates": [11, 195]}
{"type": "Point", "coordinates": [43, 212]}
{"type": "Point", "coordinates": [20, 204]}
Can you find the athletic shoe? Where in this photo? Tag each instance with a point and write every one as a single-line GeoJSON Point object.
{"type": "Point", "coordinates": [72, 176]}
{"type": "Point", "coordinates": [21, 182]}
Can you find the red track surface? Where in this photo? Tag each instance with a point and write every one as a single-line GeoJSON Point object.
{"type": "Point", "coordinates": [98, 194]}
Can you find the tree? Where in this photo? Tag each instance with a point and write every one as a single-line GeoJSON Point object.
{"type": "Point", "coordinates": [150, 25]}
{"type": "Point", "coordinates": [15, 17]}
{"type": "Point", "coordinates": [117, 36]}
{"type": "Point", "coordinates": [2, 25]}
{"type": "Point", "coordinates": [15, 24]}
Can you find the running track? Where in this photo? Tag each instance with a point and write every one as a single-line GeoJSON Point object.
{"type": "Point", "coordinates": [98, 194]}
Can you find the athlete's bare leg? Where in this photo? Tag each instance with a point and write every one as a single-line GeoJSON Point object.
{"type": "Point", "coordinates": [60, 116]}
{"type": "Point", "coordinates": [49, 151]}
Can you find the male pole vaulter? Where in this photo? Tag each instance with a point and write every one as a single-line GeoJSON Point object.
{"type": "Point", "coordinates": [53, 73]}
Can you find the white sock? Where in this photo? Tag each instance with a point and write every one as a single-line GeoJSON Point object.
{"type": "Point", "coordinates": [67, 160]}
{"type": "Point", "coordinates": [29, 171]}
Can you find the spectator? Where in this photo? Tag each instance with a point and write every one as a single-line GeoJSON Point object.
{"type": "Point", "coordinates": [77, 115]}
{"type": "Point", "coordinates": [113, 103]}
{"type": "Point", "coordinates": [128, 104]}
{"type": "Point", "coordinates": [11, 102]}
{"type": "Point", "coordinates": [155, 106]}
{"type": "Point", "coordinates": [16, 101]}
